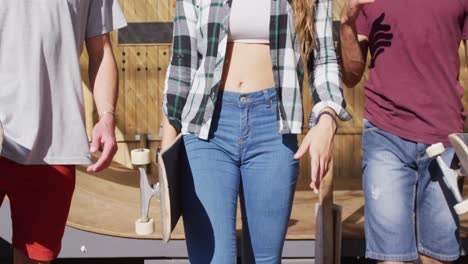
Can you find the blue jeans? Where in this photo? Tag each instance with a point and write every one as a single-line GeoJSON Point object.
{"type": "Point", "coordinates": [245, 157]}
{"type": "Point", "coordinates": [408, 207]}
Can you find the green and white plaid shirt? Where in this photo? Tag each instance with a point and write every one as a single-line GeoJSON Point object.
{"type": "Point", "coordinates": [198, 50]}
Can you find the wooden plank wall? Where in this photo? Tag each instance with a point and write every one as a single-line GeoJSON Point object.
{"type": "Point", "coordinates": [142, 70]}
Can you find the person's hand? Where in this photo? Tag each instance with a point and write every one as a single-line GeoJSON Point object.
{"type": "Point", "coordinates": [352, 8]}
{"type": "Point", "coordinates": [319, 142]}
{"type": "Point", "coordinates": [103, 139]}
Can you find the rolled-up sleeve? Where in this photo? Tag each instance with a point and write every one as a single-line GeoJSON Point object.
{"type": "Point", "coordinates": [184, 61]}
{"type": "Point", "coordinates": [323, 68]}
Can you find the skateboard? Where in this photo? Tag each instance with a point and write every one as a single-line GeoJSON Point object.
{"type": "Point", "coordinates": [459, 143]}
{"type": "Point", "coordinates": [166, 191]}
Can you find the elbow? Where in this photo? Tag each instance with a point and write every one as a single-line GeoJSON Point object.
{"type": "Point", "coordinates": [352, 75]}
{"type": "Point", "coordinates": [351, 80]}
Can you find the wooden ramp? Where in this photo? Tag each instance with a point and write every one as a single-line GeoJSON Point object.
{"type": "Point", "coordinates": [108, 204]}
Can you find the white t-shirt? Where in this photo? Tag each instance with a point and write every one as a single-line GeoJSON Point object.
{"type": "Point", "coordinates": [41, 97]}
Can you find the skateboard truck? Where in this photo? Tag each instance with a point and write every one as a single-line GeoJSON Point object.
{"type": "Point", "coordinates": [145, 225]}
{"type": "Point", "coordinates": [166, 190]}
{"type": "Point", "coordinates": [450, 175]}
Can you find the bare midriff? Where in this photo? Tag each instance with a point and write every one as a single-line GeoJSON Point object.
{"type": "Point", "coordinates": [247, 68]}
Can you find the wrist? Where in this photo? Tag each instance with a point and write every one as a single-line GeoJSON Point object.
{"type": "Point", "coordinates": [107, 114]}
{"type": "Point", "coordinates": [107, 118]}
{"type": "Point", "coordinates": [328, 124]}
{"type": "Point", "coordinates": [328, 119]}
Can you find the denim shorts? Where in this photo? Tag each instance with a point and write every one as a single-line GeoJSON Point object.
{"type": "Point", "coordinates": [408, 207]}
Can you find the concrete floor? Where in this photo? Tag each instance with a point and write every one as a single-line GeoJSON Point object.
{"type": "Point", "coordinates": [349, 260]}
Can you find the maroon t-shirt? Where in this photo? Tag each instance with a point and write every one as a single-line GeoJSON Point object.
{"type": "Point", "coordinates": [413, 89]}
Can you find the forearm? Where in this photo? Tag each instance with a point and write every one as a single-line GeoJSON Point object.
{"type": "Point", "coordinates": [103, 76]}
{"type": "Point", "coordinates": [169, 133]}
{"type": "Point", "coordinates": [352, 59]}
{"type": "Point", "coordinates": [323, 68]}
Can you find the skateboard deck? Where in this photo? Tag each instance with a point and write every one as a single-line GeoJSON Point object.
{"type": "Point", "coordinates": [459, 143]}
{"type": "Point", "coordinates": [171, 167]}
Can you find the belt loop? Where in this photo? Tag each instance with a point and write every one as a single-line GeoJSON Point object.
{"type": "Point", "coordinates": [266, 93]}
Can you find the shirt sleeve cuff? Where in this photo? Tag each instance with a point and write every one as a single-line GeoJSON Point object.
{"type": "Point", "coordinates": [176, 124]}
{"type": "Point", "coordinates": [340, 111]}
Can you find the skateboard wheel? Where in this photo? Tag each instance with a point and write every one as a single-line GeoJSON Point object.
{"type": "Point", "coordinates": [144, 228]}
{"type": "Point", "coordinates": [141, 157]}
{"type": "Point", "coordinates": [461, 208]}
{"type": "Point", "coordinates": [435, 150]}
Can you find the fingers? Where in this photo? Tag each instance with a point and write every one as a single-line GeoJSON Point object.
{"type": "Point", "coordinates": [321, 171]}
{"type": "Point", "coordinates": [326, 168]}
{"type": "Point", "coordinates": [95, 142]}
{"type": "Point", "coordinates": [314, 169]}
{"type": "Point", "coordinates": [103, 135]}
{"type": "Point", "coordinates": [356, 5]}
{"type": "Point", "coordinates": [302, 149]}
{"type": "Point", "coordinates": [109, 150]}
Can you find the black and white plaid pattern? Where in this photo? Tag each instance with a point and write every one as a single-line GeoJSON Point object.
{"type": "Point", "coordinates": [198, 52]}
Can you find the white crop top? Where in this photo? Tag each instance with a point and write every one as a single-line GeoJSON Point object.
{"type": "Point", "coordinates": [250, 21]}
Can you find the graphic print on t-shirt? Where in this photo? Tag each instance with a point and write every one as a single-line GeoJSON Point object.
{"type": "Point", "coordinates": [413, 88]}
{"type": "Point", "coordinates": [381, 37]}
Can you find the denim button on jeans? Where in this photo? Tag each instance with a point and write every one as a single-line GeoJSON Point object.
{"type": "Point", "coordinates": [246, 158]}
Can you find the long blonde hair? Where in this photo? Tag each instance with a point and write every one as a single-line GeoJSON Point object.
{"type": "Point", "coordinates": [305, 27]}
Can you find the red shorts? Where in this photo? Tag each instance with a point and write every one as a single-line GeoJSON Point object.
{"type": "Point", "coordinates": [40, 198]}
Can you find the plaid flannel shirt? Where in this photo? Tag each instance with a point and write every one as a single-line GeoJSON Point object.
{"type": "Point", "coordinates": [201, 29]}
